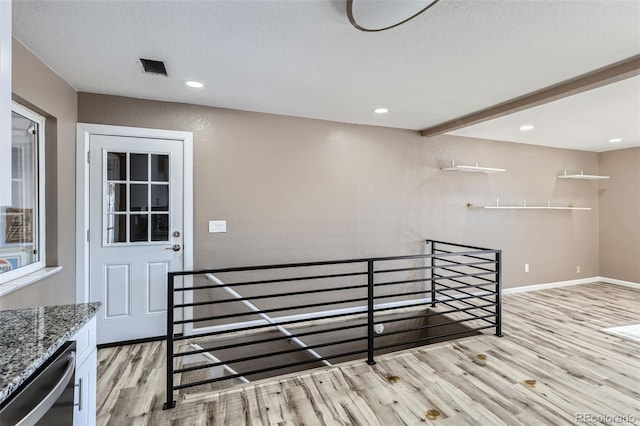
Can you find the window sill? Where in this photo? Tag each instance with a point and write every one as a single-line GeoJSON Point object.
{"type": "Point", "coordinates": [31, 278]}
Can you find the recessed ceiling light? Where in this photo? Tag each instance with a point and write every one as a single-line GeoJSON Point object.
{"type": "Point", "coordinates": [381, 110]}
{"type": "Point", "coordinates": [614, 140]}
{"type": "Point", "coordinates": [194, 84]}
{"type": "Point", "coordinates": [526, 127]}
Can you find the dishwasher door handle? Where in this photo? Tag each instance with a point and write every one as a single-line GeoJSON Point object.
{"type": "Point", "coordinates": [41, 409]}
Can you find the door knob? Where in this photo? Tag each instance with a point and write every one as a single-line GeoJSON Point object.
{"type": "Point", "coordinates": [175, 247]}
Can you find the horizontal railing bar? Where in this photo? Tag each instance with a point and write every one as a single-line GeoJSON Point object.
{"type": "Point", "coordinates": [264, 370]}
{"type": "Point", "coordinates": [454, 298]}
{"type": "Point", "coordinates": [478, 317]}
{"type": "Point", "coordinates": [271, 281]}
{"type": "Point", "coordinates": [479, 275]}
{"type": "Point", "coordinates": [461, 298]}
{"type": "Point", "coordinates": [298, 335]}
{"type": "Point", "coordinates": [453, 263]}
{"type": "Point", "coordinates": [296, 321]}
{"type": "Point", "coordinates": [489, 293]}
{"type": "Point", "coordinates": [471, 304]}
{"type": "Point", "coordinates": [417, 280]}
{"type": "Point", "coordinates": [486, 308]}
{"type": "Point", "coordinates": [426, 339]}
{"type": "Point", "coordinates": [257, 327]}
{"type": "Point", "coordinates": [265, 311]}
{"type": "Point", "coordinates": [417, 268]}
{"type": "Point", "coordinates": [426, 279]}
{"type": "Point", "coordinates": [426, 327]}
{"type": "Point", "coordinates": [478, 286]}
{"type": "Point", "coordinates": [303, 320]}
{"type": "Point", "coordinates": [284, 352]}
{"type": "Point", "coordinates": [322, 263]}
{"type": "Point", "coordinates": [387, 296]}
{"type": "Point", "coordinates": [470, 264]}
{"type": "Point", "coordinates": [447, 253]}
{"type": "Point", "coordinates": [268, 296]}
{"type": "Point", "coordinates": [437, 278]}
{"type": "Point", "coordinates": [466, 300]}
{"type": "Point", "coordinates": [459, 245]}
{"type": "Point", "coordinates": [432, 314]}
{"type": "Point", "coordinates": [268, 355]}
{"type": "Point", "coordinates": [271, 339]}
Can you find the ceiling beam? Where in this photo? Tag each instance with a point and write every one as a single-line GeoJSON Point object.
{"type": "Point", "coordinates": [601, 77]}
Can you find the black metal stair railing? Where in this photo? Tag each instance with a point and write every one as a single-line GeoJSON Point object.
{"type": "Point", "coordinates": [248, 322]}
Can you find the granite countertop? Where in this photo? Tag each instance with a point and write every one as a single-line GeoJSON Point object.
{"type": "Point", "coordinates": [28, 337]}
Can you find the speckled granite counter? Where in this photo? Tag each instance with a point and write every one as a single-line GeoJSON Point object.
{"type": "Point", "coordinates": [28, 337]}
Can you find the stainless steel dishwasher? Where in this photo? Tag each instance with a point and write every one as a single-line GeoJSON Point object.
{"type": "Point", "coordinates": [46, 398]}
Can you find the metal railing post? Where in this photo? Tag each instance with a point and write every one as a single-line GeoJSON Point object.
{"type": "Point", "coordinates": [433, 282]}
{"type": "Point", "coordinates": [370, 317]}
{"type": "Point", "coordinates": [170, 403]}
{"type": "Point", "coordinates": [499, 293]}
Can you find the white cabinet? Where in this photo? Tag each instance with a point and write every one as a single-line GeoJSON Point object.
{"type": "Point", "coordinates": [84, 412]}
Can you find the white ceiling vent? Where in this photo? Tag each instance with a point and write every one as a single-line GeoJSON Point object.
{"type": "Point", "coordinates": [151, 66]}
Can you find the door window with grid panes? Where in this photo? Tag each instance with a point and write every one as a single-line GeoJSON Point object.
{"type": "Point", "coordinates": [136, 198]}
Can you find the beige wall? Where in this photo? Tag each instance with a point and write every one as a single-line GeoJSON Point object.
{"type": "Point", "coordinates": [620, 215]}
{"type": "Point", "coordinates": [296, 189]}
{"type": "Point", "coordinates": [37, 87]}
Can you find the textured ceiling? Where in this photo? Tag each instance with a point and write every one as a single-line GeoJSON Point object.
{"type": "Point", "coordinates": [586, 121]}
{"type": "Point", "coordinates": [303, 58]}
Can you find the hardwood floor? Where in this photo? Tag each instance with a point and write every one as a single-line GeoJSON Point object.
{"type": "Point", "coordinates": [553, 366]}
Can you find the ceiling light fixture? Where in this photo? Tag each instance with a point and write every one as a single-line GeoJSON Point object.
{"type": "Point", "coordinates": [381, 110]}
{"type": "Point", "coordinates": [367, 15]}
{"type": "Point", "coordinates": [526, 127]}
{"type": "Point", "coordinates": [194, 84]}
{"type": "Point", "coordinates": [615, 140]}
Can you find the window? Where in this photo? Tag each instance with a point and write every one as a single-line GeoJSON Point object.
{"type": "Point", "coordinates": [137, 198]}
{"type": "Point", "coordinates": [22, 222]}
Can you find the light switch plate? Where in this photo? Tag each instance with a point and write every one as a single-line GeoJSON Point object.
{"type": "Point", "coordinates": [216, 226]}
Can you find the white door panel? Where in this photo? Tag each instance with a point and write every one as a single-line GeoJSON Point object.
{"type": "Point", "coordinates": [117, 290]}
{"type": "Point", "coordinates": [135, 223]}
{"type": "Point", "coordinates": [156, 293]}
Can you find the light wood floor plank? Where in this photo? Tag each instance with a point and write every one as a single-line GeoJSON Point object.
{"type": "Point", "coordinates": [550, 336]}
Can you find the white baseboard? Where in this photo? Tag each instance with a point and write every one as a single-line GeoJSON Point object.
{"type": "Point", "coordinates": [546, 286]}
{"type": "Point", "coordinates": [559, 284]}
{"type": "Point", "coordinates": [619, 282]}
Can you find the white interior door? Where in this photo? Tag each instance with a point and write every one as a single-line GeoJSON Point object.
{"type": "Point", "coordinates": [135, 232]}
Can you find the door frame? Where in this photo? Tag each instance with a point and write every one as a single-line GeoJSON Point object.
{"type": "Point", "coordinates": [83, 134]}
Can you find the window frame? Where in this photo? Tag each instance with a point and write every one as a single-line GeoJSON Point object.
{"type": "Point", "coordinates": [7, 277]}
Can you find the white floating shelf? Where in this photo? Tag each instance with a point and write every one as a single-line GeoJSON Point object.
{"type": "Point", "coordinates": [581, 175]}
{"type": "Point", "coordinates": [537, 208]}
{"type": "Point", "coordinates": [524, 206]}
{"type": "Point", "coordinates": [471, 169]}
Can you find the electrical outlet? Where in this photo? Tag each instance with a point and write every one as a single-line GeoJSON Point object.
{"type": "Point", "coordinates": [526, 267]}
{"type": "Point", "coordinates": [577, 269]}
